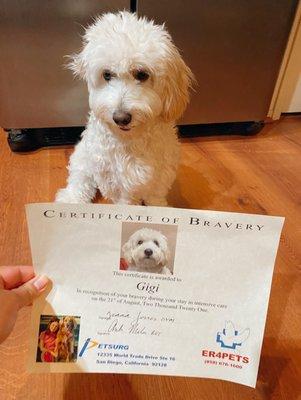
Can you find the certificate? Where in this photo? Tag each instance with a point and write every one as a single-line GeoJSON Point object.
{"type": "Point", "coordinates": [151, 290]}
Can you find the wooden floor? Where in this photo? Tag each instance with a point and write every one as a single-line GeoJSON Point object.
{"type": "Point", "coordinates": [260, 174]}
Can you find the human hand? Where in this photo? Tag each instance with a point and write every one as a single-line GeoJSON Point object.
{"type": "Point", "coordinates": [18, 288]}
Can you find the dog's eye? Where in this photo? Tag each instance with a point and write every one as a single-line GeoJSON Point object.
{"type": "Point", "coordinates": [107, 75]}
{"type": "Point", "coordinates": [140, 242]}
{"type": "Point", "coordinates": [141, 75]}
{"type": "Point", "coordinates": [156, 243]}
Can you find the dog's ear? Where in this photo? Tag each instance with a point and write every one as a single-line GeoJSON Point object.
{"type": "Point", "coordinates": [73, 323]}
{"type": "Point", "coordinates": [127, 251]}
{"type": "Point", "coordinates": [165, 259]}
{"type": "Point", "coordinates": [77, 63]}
{"type": "Point", "coordinates": [176, 83]}
{"type": "Point", "coordinates": [165, 251]}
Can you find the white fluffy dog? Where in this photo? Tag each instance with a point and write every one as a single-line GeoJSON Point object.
{"type": "Point", "coordinates": [138, 86]}
{"type": "Point", "coordinates": [147, 251]}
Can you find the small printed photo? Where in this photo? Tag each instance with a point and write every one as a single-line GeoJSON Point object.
{"type": "Point", "coordinates": [148, 248]}
{"type": "Point", "coordinates": [58, 338]}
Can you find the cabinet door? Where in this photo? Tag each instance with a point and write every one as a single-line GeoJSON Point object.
{"type": "Point", "coordinates": [234, 48]}
{"type": "Point", "coordinates": [35, 88]}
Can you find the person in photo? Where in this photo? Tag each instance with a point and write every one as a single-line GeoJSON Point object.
{"type": "Point", "coordinates": [48, 341]}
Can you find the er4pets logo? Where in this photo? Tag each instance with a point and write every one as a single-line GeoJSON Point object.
{"type": "Point", "coordinates": [230, 338]}
{"type": "Point", "coordinates": [90, 344]}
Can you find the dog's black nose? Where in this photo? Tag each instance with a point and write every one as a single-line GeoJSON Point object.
{"type": "Point", "coordinates": [148, 252]}
{"type": "Point", "coordinates": [122, 118]}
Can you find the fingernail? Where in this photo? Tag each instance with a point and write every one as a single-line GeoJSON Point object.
{"type": "Point", "coordinates": [41, 282]}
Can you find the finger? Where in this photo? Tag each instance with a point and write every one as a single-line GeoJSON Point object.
{"type": "Point", "coordinates": [14, 276]}
{"type": "Point", "coordinates": [27, 292]}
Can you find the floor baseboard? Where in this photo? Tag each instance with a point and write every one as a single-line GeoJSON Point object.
{"type": "Point", "coordinates": [24, 140]}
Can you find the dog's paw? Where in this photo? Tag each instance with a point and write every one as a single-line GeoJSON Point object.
{"type": "Point", "coordinates": [158, 202]}
{"type": "Point", "coordinates": [67, 196]}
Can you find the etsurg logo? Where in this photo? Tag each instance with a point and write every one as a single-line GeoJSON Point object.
{"type": "Point", "coordinates": [90, 344]}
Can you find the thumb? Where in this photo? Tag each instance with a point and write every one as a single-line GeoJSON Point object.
{"type": "Point", "coordinates": [27, 292]}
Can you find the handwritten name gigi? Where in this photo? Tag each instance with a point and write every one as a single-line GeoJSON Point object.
{"type": "Point", "coordinates": [227, 225]}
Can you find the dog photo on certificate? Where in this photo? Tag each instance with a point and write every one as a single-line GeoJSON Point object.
{"type": "Point", "coordinates": [145, 248]}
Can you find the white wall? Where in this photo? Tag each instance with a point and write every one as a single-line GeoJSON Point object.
{"type": "Point", "coordinates": [287, 94]}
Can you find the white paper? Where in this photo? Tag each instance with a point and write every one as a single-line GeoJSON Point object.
{"type": "Point", "coordinates": [201, 314]}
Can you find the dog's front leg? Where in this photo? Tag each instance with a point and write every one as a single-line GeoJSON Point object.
{"type": "Point", "coordinates": [80, 187]}
{"type": "Point", "coordinates": [128, 200]}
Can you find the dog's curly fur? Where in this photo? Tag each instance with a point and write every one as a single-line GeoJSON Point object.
{"type": "Point", "coordinates": [132, 68]}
